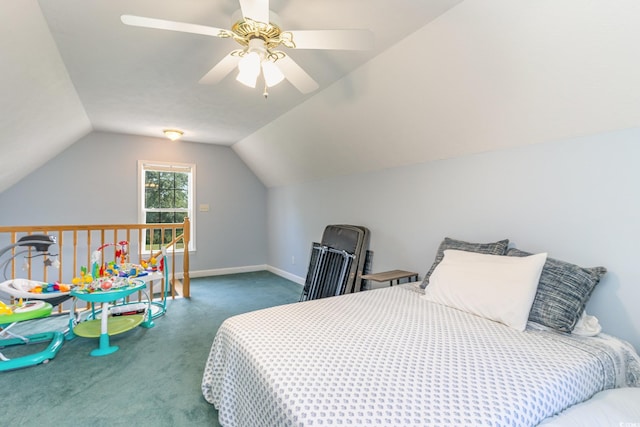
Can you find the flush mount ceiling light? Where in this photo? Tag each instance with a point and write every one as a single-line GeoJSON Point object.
{"type": "Point", "coordinates": [173, 134]}
{"type": "Point", "coordinates": [259, 37]}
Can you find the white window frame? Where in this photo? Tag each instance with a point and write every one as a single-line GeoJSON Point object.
{"type": "Point", "coordinates": [152, 165]}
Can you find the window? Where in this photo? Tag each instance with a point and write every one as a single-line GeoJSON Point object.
{"type": "Point", "coordinates": [166, 195]}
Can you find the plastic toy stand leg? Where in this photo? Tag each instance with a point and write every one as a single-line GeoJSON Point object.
{"type": "Point", "coordinates": [106, 325]}
{"type": "Point", "coordinates": [159, 308]}
{"type": "Point", "coordinates": [73, 321]}
{"type": "Point", "coordinates": [149, 322]}
{"type": "Point", "coordinates": [104, 347]}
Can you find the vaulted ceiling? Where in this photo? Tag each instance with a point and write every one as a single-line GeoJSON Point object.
{"type": "Point", "coordinates": [69, 67]}
{"type": "Point", "coordinates": [445, 78]}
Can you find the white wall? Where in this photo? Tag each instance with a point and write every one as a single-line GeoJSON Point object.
{"type": "Point", "coordinates": [575, 199]}
{"type": "Point", "coordinates": [95, 182]}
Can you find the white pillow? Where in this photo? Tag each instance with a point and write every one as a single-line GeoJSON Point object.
{"type": "Point", "coordinates": [499, 288]}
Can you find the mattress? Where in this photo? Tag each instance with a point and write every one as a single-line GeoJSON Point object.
{"type": "Point", "coordinates": [389, 357]}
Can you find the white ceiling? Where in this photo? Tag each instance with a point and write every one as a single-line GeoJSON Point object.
{"type": "Point", "coordinates": [139, 81]}
{"type": "Point", "coordinates": [70, 66]}
{"type": "Point", "coordinates": [442, 80]}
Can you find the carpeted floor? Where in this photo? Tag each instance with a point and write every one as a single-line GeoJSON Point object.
{"type": "Point", "coordinates": [153, 379]}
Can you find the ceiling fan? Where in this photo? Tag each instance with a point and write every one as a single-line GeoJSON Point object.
{"type": "Point", "coordinates": [259, 39]}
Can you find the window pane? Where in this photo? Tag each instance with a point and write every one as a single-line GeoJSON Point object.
{"type": "Point", "coordinates": [152, 199]}
{"type": "Point", "coordinates": [167, 217]}
{"type": "Point", "coordinates": [166, 180]}
{"type": "Point", "coordinates": [151, 196]}
{"type": "Point", "coordinates": [167, 198]}
{"type": "Point", "coordinates": [182, 182]}
{"type": "Point", "coordinates": [152, 218]}
{"type": "Point", "coordinates": [151, 179]}
{"type": "Point", "coordinates": [181, 199]}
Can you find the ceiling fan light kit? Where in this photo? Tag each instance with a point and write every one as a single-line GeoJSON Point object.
{"type": "Point", "coordinates": [272, 74]}
{"type": "Point", "coordinates": [259, 38]}
{"type": "Point", "coordinates": [249, 69]}
{"type": "Point", "coordinates": [255, 59]}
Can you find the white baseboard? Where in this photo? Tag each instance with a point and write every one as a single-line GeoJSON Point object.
{"type": "Point", "coordinates": [297, 279]}
{"type": "Point", "coordinates": [223, 271]}
{"type": "Point", "coordinates": [246, 269]}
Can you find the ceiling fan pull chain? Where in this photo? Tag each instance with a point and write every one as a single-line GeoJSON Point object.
{"type": "Point", "coordinates": [265, 93]}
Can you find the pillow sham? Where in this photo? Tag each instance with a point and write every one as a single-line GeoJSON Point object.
{"type": "Point", "coordinates": [495, 287]}
{"type": "Point", "coordinates": [563, 292]}
{"type": "Point", "coordinates": [497, 248]}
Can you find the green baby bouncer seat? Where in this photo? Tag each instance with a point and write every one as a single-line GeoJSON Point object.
{"type": "Point", "coordinates": [27, 301]}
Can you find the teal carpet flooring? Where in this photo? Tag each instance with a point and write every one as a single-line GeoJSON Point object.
{"type": "Point", "coordinates": [153, 379]}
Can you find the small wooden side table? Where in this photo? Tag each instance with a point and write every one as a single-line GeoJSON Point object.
{"type": "Point", "coordinates": [390, 276]}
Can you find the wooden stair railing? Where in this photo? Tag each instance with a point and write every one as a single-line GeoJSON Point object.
{"type": "Point", "coordinates": [184, 238]}
{"type": "Point", "coordinates": [76, 243]}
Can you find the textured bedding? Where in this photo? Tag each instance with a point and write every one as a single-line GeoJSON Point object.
{"type": "Point", "coordinates": [390, 357]}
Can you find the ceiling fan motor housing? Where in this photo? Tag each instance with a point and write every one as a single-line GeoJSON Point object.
{"type": "Point", "coordinates": [272, 36]}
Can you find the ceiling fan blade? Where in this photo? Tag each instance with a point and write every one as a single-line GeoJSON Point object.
{"type": "Point", "coordinates": [296, 75]}
{"type": "Point", "coordinates": [258, 10]}
{"type": "Point", "coordinates": [220, 70]}
{"type": "Point", "coordinates": [183, 27]}
{"type": "Point", "coordinates": [333, 39]}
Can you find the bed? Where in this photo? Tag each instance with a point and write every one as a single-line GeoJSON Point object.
{"type": "Point", "coordinates": [394, 357]}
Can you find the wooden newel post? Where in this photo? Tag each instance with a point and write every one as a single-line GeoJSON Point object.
{"type": "Point", "coordinates": [185, 263]}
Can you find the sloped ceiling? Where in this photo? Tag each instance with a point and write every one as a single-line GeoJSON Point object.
{"type": "Point", "coordinates": [446, 78]}
{"type": "Point", "coordinates": [40, 112]}
{"type": "Point", "coordinates": [72, 66]}
{"type": "Point", "coordinates": [486, 75]}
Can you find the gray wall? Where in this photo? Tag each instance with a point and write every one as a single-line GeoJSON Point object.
{"type": "Point", "coordinates": [575, 199]}
{"type": "Point", "coordinates": [95, 182]}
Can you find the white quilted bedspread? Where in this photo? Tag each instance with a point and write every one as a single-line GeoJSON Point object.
{"type": "Point", "coordinates": [390, 358]}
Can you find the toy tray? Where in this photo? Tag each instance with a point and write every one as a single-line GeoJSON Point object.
{"type": "Point", "coordinates": [115, 325]}
{"type": "Point", "coordinates": [19, 288]}
{"type": "Point", "coordinates": [110, 295]}
{"type": "Point", "coordinates": [35, 312]}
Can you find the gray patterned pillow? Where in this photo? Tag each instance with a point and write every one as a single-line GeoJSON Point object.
{"type": "Point", "coordinates": [563, 292]}
{"type": "Point", "coordinates": [497, 248]}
